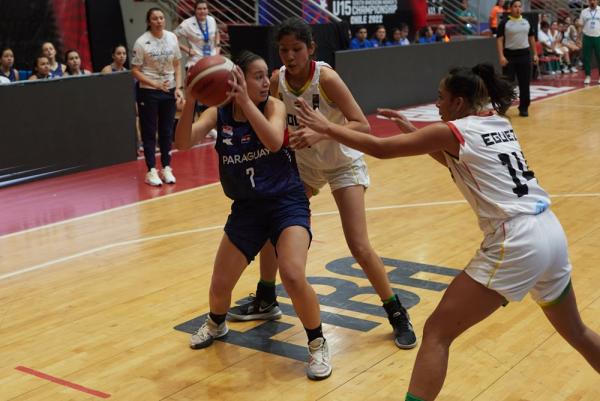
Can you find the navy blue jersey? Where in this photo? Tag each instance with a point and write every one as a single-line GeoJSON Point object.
{"type": "Point", "coordinates": [248, 170]}
{"type": "Point", "coordinates": [12, 76]}
{"type": "Point", "coordinates": [58, 72]}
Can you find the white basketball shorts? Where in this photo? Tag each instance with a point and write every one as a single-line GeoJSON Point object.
{"type": "Point", "coordinates": [526, 254]}
{"type": "Point", "coordinates": [352, 174]}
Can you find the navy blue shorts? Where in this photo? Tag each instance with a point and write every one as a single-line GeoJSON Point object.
{"type": "Point", "coordinates": [252, 222]}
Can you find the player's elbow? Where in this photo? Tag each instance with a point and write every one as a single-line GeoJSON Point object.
{"type": "Point", "coordinates": [274, 146]}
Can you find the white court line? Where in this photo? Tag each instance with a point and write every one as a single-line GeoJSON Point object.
{"type": "Point", "coordinates": [204, 229]}
{"type": "Point", "coordinates": [103, 248]}
{"type": "Point", "coordinates": [101, 212]}
{"type": "Point", "coordinates": [201, 187]}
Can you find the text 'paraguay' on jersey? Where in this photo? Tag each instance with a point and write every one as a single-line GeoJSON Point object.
{"type": "Point", "coordinates": [247, 169]}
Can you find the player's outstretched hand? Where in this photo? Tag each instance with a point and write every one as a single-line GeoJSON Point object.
{"type": "Point", "coordinates": [310, 118]}
{"type": "Point", "coordinates": [399, 118]}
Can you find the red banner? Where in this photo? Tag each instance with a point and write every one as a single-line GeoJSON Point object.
{"type": "Point", "coordinates": [72, 28]}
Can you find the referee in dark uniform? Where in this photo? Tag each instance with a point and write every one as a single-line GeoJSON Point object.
{"type": "Point", "coordinates": [516, 45]}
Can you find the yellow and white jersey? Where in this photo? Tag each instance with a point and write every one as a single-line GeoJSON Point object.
{"type": "Point", "coordinates": [326, 154]}
{"type": "Point", "coordinates": [491, 171]}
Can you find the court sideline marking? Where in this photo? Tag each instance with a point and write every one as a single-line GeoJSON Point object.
{"type": "Point", "coordinates": [204, 229]}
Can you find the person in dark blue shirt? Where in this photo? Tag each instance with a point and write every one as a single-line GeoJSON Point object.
{"type": "Point", "coordinates": [426, 35]}
{"type": "Point", "coordinates": [379, 36]}
{"type": "Point", "coordinates": [360, 40]}
{"type": "Point", "coordinates": [258, 172]}
{"type": "Point", "coordinates": [7, 65]}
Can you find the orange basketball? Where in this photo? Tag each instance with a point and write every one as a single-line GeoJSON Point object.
{"type": "Point", "coordinates": [208, 80]}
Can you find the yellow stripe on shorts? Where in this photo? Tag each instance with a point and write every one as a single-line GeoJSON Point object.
{"type": "Point", "coordinates": [500, 260]}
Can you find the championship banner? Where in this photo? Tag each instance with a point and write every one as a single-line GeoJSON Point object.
{"type": "Point", "coordinates": [370, 13]}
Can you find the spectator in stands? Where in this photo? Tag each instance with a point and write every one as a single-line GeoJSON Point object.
{"type": "Point", "coordinates": [119, 57]}
{"type": "Point", "coordinates": [41, 68]}
{"type": "Point", "coordinates": [56, 68]}
{"type": "Point", "coordinates": [201, 33]}
{"type": "Point", "coordinates": [496, 16]}
{"type": "Point", "coordinates": [560, 48]}
{"type": "Point", "coordinates": [440, 34]}
{"type": "Point", "coordinates": [589, 20]}
{"type": "Point", "coordinates": [516, 49]}
{"type": "Point", "coordinates": [7, 63]}
{"type": "Point", "coordinates": [426, 35]}
{"type": "Point", "coordinates": [156, 66]}
{"type": "Point", "coordinates": [360, 40]}
{"type": "Point", "coordinates": [73, 60]}
{"type": "Point", "coordinates": [379, 37]}
{"type": "Point", "coordinates": [570, 39]}
{"type": "Point", "coordinates": [547, 42]}
{"type": "Point", "coordinates": [399, 36]}
{"type": "Point", "coordinates": [467, 17]}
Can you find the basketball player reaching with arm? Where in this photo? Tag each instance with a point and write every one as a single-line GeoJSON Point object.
{"type": "Point", "coordinates": [524, 248]}
{"type": "Point", "coordinates": [258, 172]}
{"type": "Point", "coordinates": [323, 161]}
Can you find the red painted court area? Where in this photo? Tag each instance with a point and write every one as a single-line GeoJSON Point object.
{"type": "Point", "coordinates": [52, 200]}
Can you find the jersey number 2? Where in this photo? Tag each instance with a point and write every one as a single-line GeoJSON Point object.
{"type": "Point", "coordinates": [250, 172]}
{"type": "Point", "coordinates": [521, 188]}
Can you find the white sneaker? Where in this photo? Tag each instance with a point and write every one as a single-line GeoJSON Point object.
{"type": "Point", "coordinates": [207, 333]}
{"type": "Point", "coordinates": [212, 134]}
{"type": "Point", "coordinates": [587, 80]}
{"type": "Point", "coordinates": [152, 178]}
{"type": "Point", "coordinates": [565, 70]}
{"type": "Point", "coordinates": [574, 69]}
{"type": "Point", "coordinates": [319, 365]}
{"type": "Point", "coordinates": [166, 174]}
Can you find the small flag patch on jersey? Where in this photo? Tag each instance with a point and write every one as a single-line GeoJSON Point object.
{"type": "Point", "coordinates": [246, 138]}
{"type": "Point", "coordinates": [227, 130]}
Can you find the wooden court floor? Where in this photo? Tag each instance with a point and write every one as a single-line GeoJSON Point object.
{"type": "Point", "coordinates": [94, 301]}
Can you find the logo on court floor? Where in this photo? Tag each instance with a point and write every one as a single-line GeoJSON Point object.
{"type": "Point", "coordinates": [403, 273]}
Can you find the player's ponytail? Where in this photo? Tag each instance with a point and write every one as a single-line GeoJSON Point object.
{"type": "Point", "coordinates": [479, 86]}
{"type": "Point", "coordinates": [501, 91]}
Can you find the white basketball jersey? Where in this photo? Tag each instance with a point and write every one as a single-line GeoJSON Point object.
{"type": "Point", "coordinates": [327, 154]}
{"type": "Point", "coordinates": [492, 172]}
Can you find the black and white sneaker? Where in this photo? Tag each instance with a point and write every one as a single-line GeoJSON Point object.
{"type": "Point", "coordinates": [404, 335]}
{"type": "Point", "coordinates": [255, 309]}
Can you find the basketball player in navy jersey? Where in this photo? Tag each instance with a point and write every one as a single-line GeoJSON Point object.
{"type": "Point", "coordinates": [119, 57]}
{"type": "Point", "coordinates": [322, 162]}
{"type": "Point", "coordinates": [7, 63]}
{"type": "Point", "coordinates": [258, 172]}
{"type": "Point", "coordinates": [524, 249]}
{"type": "Point", "coordinates": [57, 69]}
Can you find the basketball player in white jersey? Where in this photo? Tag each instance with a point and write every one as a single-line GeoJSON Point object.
{"type": "Point", "coordinates": [524, 249]}
{"type": "Point", "coordinates": [323, 161]}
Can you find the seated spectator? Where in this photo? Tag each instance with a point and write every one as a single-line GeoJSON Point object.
{"type": "Point", "coordinates": [399, 36]}
{"type": "Point", "coordinates": [570, 39]}
{"type": "Point", "coordinates": [440, 34]}
{"type": "Point", "coordinates": [7, 63]}
{"type": "Point", "coordinates": [560, 49]}
{"type": "Point", "coordinates": [119, 57]}
{"type": "Point", "coordinates": [360, 40]}
{"type": "Point", "coordinates": [379, 37]}
{"type": "Point", "coordinates": [426, 35]}
{"type": "Point", "coordinates": [74, 64]}
{"type": "Point", "coordinates": [496, 15]}
{"type": "Point", "coordinates": [41, 68]}
{"type": "Point", "coordinates": [57, 69]}
{"type": "Point", "coordinates": [467, 17]}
